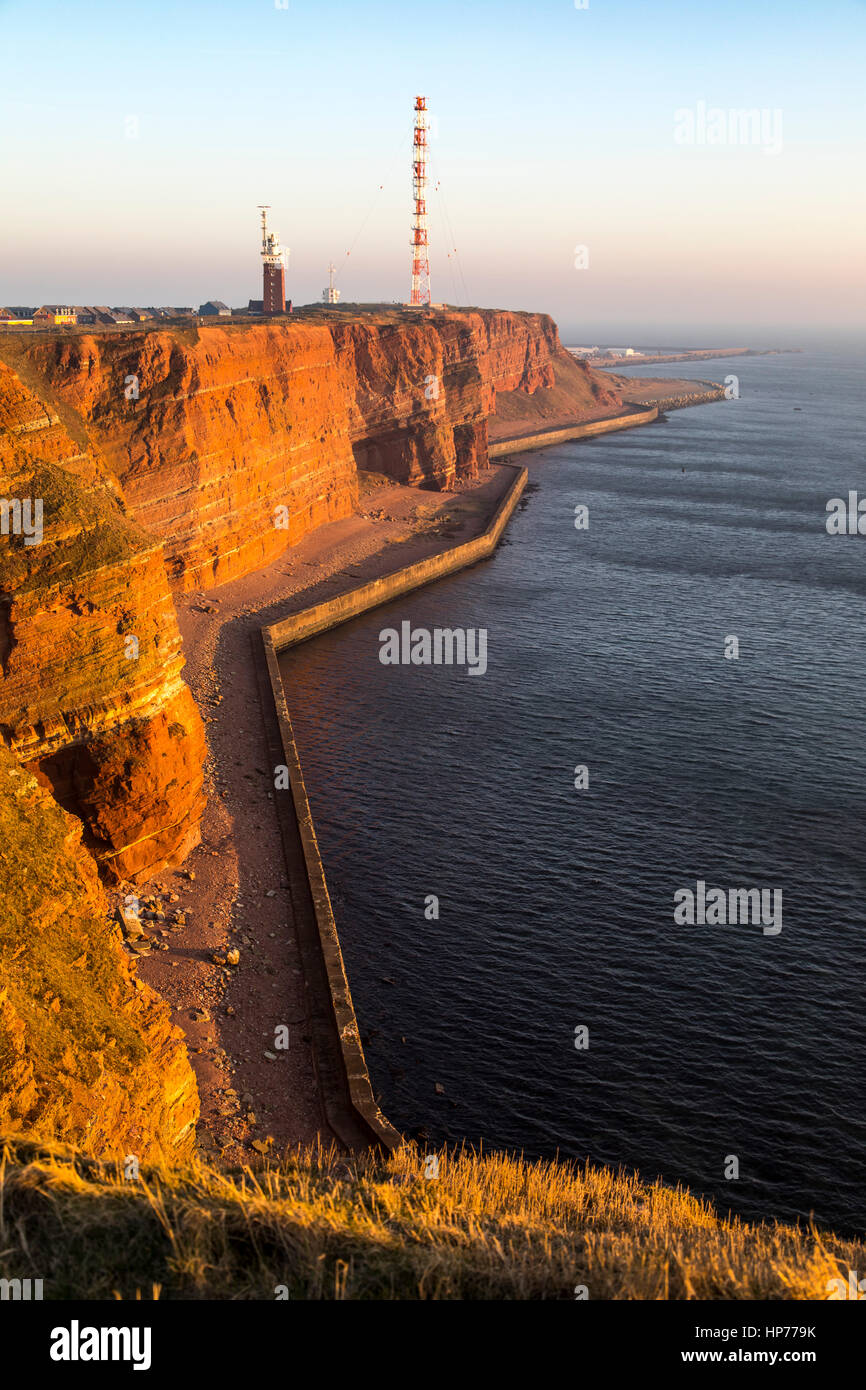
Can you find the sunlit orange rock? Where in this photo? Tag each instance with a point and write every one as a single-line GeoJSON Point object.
{"type": "Point", "coordinates": [180, 457]}
{"type": "Point", "coordinates": [92, 695]}
{"type": "Point", "coordinates": [90, 1054]}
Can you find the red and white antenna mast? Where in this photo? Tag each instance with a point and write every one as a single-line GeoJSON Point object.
{"type": "Point", "coordinates": [420, 249]}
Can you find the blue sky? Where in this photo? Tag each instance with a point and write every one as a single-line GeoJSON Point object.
{"type": "Point", "coordinates": [138, 141]}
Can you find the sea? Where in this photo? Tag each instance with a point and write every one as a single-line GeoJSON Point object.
{"type": "Point", "coordinates": [673, 696]}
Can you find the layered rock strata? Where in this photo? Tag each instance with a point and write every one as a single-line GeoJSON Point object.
{"type": "Point", "coordinates": [135, 463]}
{"type": "Point", "coordinates": [231, 442]}
{"type": "Point", "coordinates": [92, 696]}
{"type": "Point", "coordinates": [181, 457]}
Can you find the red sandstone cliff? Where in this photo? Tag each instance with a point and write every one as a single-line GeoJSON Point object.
{"type": "Point", "coordinates": [417, 397]}
{"type": "Point", "coordinates": [184, 457]}
{"type": "Point", "coordinates": [208, 434]}
{"type": "Point", "coordinates": [91, 694]}
{"type": "Point", "coordinates": [178, 458]}
{"type": "Point", "coordinates": [427, 391]}
{"type": "Point", "coordinates": [238, 439]}
{"type": "Point", "coordinates": [88, 1053]}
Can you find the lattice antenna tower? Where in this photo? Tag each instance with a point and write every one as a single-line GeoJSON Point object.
{"type": "Point", "coordinates": [420, 291]}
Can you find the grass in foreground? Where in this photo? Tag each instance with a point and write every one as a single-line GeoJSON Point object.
{"type": "Point", "coordinates": [326, 1227]}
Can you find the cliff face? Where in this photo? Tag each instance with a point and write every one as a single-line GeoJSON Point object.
{"type": "Point", "coordinates": [516, 352]}
{"type": "Point", "coordinates": [92, 696]}
{"type": "Point", "coordinates": [571, 392]}
{"type": "Point", "coordinates": [417, 398]}
{"type": "Point", "coordinates": [88, 1053]}
{"type": "Point", "coordinates": [424, 391]}
{"type": "Point", "coordinates": [183, 457]}
{"type": "Point", "coordinates": [132, 464]}
{"type": "Point", "coordinates": [227, 445]}
{"type": "Point", "coordinates": [231, 442]}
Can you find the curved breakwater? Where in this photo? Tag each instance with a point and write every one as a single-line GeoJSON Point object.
{"type": "Point", "coordinates": [343, 1077]}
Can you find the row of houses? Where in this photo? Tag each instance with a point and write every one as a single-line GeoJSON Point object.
{"type": "Point", "coordinates": [61, 315]}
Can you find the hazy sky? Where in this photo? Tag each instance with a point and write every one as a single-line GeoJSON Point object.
{"type": "Point", "coordinates": [139, 139]}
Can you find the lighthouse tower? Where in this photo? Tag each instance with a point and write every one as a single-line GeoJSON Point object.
{"type": "Point", "coordinates": [273, 269]}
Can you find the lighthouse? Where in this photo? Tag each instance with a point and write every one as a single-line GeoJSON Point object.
{"type": "Point", "coordinates": [273, 269]}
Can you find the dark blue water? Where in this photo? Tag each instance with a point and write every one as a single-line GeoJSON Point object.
{"type": "Point", "coordinates": [606, 648]}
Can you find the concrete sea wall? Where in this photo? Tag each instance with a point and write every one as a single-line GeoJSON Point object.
{"type": "Point", "coordinates": [342, 1069]}
{"type": "Point", "coordinates": [639, 415]}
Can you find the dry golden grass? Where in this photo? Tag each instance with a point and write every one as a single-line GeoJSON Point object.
{"type": "Point", "coordinates": [320, 1226]}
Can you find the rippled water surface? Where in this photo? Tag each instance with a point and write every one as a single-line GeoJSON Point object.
{"type": "Point", "coordinates": [556, 905]}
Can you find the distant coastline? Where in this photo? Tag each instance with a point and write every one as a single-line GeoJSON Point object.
{"type": "Point", "coordinates": [638, 357]}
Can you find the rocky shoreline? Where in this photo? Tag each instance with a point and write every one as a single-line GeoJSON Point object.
{"type": "Point", "coordinates": [714, 392]}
